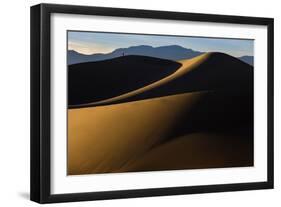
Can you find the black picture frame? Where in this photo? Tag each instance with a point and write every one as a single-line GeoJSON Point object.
{"type": "Point", "coordinates": [41, 95]}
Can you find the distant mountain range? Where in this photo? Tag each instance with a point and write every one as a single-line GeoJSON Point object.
{"type": "Point", "coordinates": [170, 52]}
{"type": "Point", "coordinates": [247, 59]}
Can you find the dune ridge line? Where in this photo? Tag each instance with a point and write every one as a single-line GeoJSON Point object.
{"type": "Point", "coordinates": [187, 66]}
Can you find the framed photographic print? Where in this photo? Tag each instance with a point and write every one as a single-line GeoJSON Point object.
{"type": "Point", "coordinates": [132, 103]}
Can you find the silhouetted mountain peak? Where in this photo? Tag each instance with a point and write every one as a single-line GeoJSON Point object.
{"type": "Point", "coordinates": [170, 52]}
{"type": "Point", "coordinates": [174, 47]}
{"type": "Point", "coordinates": [140, 47]}
{"type": "Point", "coordinates": [74, 52]}
{"type": "Point", "coordinates": [247, 59]}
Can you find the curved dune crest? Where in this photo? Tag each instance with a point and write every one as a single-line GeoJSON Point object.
{"type": "Point", "coordinates": [95, 81]}
{"type": "Point", "coordinates": [187, 66]}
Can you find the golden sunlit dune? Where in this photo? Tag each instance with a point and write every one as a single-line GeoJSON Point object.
{"type": "Point", "coordinates": [104, 138]}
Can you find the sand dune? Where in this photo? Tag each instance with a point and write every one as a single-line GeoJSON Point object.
{"type": "Point", "coordinates": [210, 71]}
{"type": "Point", "coordinates": [187, 66]}
{"type": "Point", "coordinates": [104, 138]}
{"type": "Point", "coordinates": [94, 81]}
{"type": "Point", "coordinates": [210, 125]}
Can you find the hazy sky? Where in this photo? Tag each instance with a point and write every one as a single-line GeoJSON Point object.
{"type": "Point", "coordinates": [99, 42]}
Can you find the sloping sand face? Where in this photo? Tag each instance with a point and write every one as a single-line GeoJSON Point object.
{"type": "Point", "coordinates": [105, 138]}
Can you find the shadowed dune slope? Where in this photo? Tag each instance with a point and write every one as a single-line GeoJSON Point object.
{"type": "Point", "coordinates": [95, 81]}
{"type": "Point", "coordinates": [224, 150]}
{"type": "Point", "coordinates": [214, 72]}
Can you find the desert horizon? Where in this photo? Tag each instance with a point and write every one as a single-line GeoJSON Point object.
{"type": "Point", "coordinates": [169, 52]}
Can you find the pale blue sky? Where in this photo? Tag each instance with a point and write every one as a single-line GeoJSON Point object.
{"type": "Point", "coordinates": [99, 42]}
